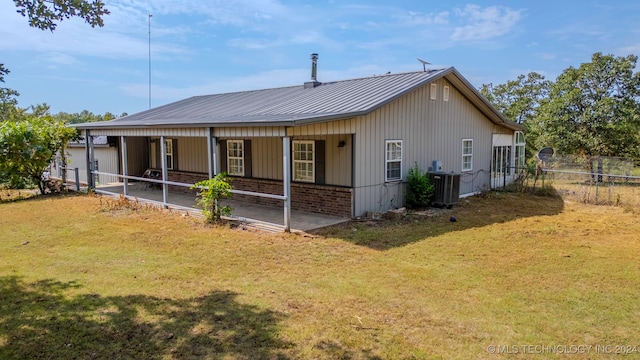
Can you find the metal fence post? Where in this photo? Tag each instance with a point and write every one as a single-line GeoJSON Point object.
{"type": "Point", "coordinates": [77, 175]}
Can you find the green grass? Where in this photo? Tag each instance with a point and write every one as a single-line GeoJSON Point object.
{"type": "Point", "coordinates": [140, 283]}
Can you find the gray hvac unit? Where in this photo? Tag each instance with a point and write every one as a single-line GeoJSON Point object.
{"type": "Point", "coordinates": [446, 188]}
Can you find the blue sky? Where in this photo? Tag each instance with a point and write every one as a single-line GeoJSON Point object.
{"type": "Point", "coordinates": [209, 46]}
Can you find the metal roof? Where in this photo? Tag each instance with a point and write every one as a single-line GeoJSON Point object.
{"type": "Point", "coordinates": [290, 106]}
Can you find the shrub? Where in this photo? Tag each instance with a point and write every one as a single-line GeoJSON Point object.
{"type": "Point", "coordinates": [211, 191]}
{"type": "Point", "coordinates": [419, 188]}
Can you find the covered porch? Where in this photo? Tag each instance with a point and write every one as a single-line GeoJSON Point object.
{"type": "Point", "coordinates": [273, 166]}
{"type": "Point", "coordinates": [260, 216]}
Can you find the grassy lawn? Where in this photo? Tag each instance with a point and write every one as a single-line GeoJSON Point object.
{"type": "Point", "coordinates": [78, 281]}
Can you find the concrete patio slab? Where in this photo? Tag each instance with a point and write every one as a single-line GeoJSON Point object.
{"type": "Point", "coordinates": [269, 218]}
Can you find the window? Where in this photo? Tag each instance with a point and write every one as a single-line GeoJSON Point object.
{"type": "Point", "coordinates": [235, 157]}
{"type": "Point", "coordinates": [520, 144]}
{"type": "Point", "coordinates": [393, 160]}
{"type": "Point", "coordinates": [445, 93]}
{"type": "Point", "coordinates": [467, 154]}
{"type": "Point", "coordinates": [169, 154]}
{"type": "Point", "coordinates": [434, 91]}
{"type": "Point", "coordinates": [303, 156]}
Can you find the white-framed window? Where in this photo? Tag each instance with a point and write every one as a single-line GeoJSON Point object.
{"type": "Point", "coordinates": [445, 93]}
{"type": "Point", "coordinates": [303, 160]}
{"type": "Point", "coordinates": [169, 154]}
{"type": "Point", "coordinates": [393, 160]}
{"type": "Point", "coordinates": [235, 157]}
{"type": "Point", "coordinates": [520, 144]}
{"type": "Point", "coordinates": [434, 91]}
{"type": "Point", "coordinates": [467, 154]}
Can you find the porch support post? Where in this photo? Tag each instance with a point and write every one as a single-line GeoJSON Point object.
{"type": "Point", "coordinates": [212, 153]}
{"type": "Point", "coordinates": [87, 157]}
{"type": "Point", "coordinates": [286, 179]}
{"type": "Point", "coordinates": [91, 180]}
{"type": "Point", "coordinates": [125, 167]}
{"type": "Point", "coordinates": [165, 174]}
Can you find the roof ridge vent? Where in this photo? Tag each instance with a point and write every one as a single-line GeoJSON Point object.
{"type": "Point", "coordinates": [314, 73]}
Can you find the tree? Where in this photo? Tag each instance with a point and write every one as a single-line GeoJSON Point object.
{"type": "Point", "coordinates": [594, 110]}
{"type": "Point", "coordinates": [8, 100]}
{"type": "Point", "coordinates": [44, 14]}
{"type": "Point", "coordinates": [28, 146]}
{"type": "Point", "coordinates": [210, 193]}
{"type": "Point", "coordinates": [518, 100]}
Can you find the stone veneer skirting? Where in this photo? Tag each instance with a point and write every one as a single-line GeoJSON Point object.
{"type": "Point", "coordinates": [322, 199]}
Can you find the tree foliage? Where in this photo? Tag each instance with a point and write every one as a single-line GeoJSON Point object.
{"type": "Point", "coordinates": [594, 110]}
{"type": "Point", "coordinates": [85, 116]}
{"type": "Point", "coordinates": [518, 100]}
{"type": "Point", "coordinates": [419, 188]}
{"type": "Point", "coordinates": [28, 145]}
{"type": "Point", "coordinates": [211, 192]}
{"type": "Point", "coordinates": [45, 14]}
{"type": "Point", "coordinates": [8, 96]}
{"type": "Point", "coordinates": [590, 110]}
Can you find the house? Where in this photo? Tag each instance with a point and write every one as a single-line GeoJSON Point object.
{"type": "Point", "coordinates": [341, 148]}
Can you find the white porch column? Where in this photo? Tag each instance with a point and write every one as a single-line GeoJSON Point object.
{"type": "Point", "coordinates": [165, 173]}
{"type": "Point", "coordinates": [212, 153]}
{"type": "Point", "coordinates": [125, 167]}
{"type": "Point", "coordinates": [286, 180]}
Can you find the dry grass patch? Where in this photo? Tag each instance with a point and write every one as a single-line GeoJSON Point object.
{"type": "Point", "coordinates": [512, 270]}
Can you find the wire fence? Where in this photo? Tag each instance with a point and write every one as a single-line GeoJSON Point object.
{"type": "Point", "coordinates": [594, 180]}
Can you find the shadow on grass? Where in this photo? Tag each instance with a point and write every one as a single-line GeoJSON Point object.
{"type": "Point", "coordinates": [473, 212]}
{"type": "Point", "coordinates": [38, 321]}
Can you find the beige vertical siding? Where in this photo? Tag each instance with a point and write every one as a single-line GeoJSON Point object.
{"type": "Point", "coordinates": [266, 157]}
{"type": "Point", "coordinates": [430, 130]}
{"type": "Point", "coordinates": [107, 162]}
{"type": "Point", "coordinates": [338, 160]}
{"type": "Point", "coordinates": [245, 132]}
{"type": "Point", "coordinates": [192, 154]}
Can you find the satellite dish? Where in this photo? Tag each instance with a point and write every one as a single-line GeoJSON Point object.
{"type": "Point", "coordinates": [424, 64]}
{"type": "Point", "coordinates": [545, 154]}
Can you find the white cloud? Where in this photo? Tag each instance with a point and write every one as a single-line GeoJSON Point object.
{"type": "Point", "coordinates": [484, 23]}
{"type": "Point", "coordinates": [61, 59]}
{"type": "Point", "coordinates": [413, 18]}
{"type": "Point", "coordinates": [546, 56]}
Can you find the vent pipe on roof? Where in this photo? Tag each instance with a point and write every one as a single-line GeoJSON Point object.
{"type": "Point", "coordinates": [314, 73]}
{"type": "Point", "coordinates": [314, 67]}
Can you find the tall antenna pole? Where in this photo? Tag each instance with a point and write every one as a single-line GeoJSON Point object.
{"type": "Point", "coordinates": [150, 15]}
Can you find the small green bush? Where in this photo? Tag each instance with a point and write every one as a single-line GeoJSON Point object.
{"type": "Point", "coordinates": [211, 191]}
{"type": "Point", "coordinates": [419, 188]}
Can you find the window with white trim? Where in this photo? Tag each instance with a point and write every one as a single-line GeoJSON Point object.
{"type": "Point", "coordinates": [393, 160]}
{"type": "Point", "coordinates": [467, 154]}
{"type": "Point", "coordinates": [169, 153]}
{"type": "Point", "coordinates": [520, 144]}
{"type": "Point", "coordinates": [445, 93]}
{"type": "Point", "coordinates": [235, 157]}
{"type": "Point", "coordinates": [303, 161]}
